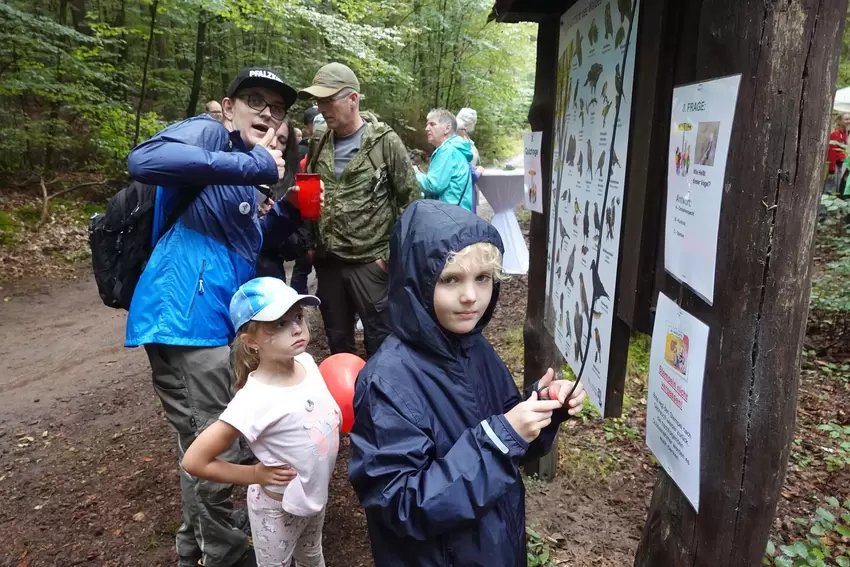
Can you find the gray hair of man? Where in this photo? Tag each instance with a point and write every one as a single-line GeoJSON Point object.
{"type": "Point", "coordinates": [443, 117]}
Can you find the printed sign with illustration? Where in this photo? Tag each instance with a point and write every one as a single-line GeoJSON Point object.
{"type": "Point", "coordinates": [674, 396]}
{"type": "Point", "coordinates": [533, 179]}
{"type": "Point", "coordinates": [593, 110]}
{"type": "Point", "coordinates": [701, 127]}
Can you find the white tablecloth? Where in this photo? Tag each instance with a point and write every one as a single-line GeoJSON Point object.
{"type": "Point", "coordinates": [504, 190]}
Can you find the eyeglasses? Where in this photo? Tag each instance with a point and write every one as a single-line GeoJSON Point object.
{"type": "Point", "coordinates": [259, 104]}
{"type": "Point", "coordinates": [334, 98]}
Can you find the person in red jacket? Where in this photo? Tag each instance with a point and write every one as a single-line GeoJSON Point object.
{"type": "Point", "coordinates": [836, 156]}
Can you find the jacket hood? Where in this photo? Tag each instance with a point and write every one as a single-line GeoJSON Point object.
{"type": "Point", "coordinates": [463, 146]}
{"type": "Point", "coordinates": [421, 242]}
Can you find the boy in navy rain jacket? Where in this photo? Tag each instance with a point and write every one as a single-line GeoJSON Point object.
{"type": "Point", "coordinates": [440, 429]}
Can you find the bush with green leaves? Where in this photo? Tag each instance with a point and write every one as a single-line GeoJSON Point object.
{"type": "Point", "coordinates": [837, 457]}
{"type": "Point", "coordinates": [826, 543]}
{"type": "Point", "coordinates": [538, 551]}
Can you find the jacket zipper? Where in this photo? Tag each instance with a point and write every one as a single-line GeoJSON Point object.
{"type": "Point", "coordinates": [200, 286]}
{"type": "Point", "coordinates": [201, 278]}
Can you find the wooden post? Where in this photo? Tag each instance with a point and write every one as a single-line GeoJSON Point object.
{"type": "Point", "coordinates": [540, 350]}
{"type": "Point", "coordinates": [787, 52]}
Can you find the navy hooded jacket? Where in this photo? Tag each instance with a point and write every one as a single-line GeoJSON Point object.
{"type": "Point", "coordinates": [434, 461]}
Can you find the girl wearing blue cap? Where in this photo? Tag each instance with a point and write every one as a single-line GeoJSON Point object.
{"type": "Point", "coordinates": [289, 419]}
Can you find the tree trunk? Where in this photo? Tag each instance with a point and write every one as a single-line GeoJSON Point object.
{"type": "Point", "coordinates": [153, 9]}
{"type": "Point", "coordinates": [787, 52]}
{"type": "Point", "coordinates": [200, 56]}
{"type": "Point", "coordinates": [540, 351]}
{"type": "Point", "coordinates": [78, 16]}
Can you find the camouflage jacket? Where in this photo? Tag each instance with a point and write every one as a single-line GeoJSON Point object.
{"type": "Point", "coordinates": [363, 205]}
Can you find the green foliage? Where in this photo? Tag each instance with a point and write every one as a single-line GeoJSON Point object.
{"type": "Point", "coordinates": [616, 429]}
{"type": "Point", "coordinates": [838, 457]}
{"type": "Point", "coordinates": [71, 87]}
{"type": "Point", "coordinates": [826, 543]}
{"type": "Point", "coordinates": [539, 552]}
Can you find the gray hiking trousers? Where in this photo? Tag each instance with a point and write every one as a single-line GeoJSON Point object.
{"type": "Point", "coordinates": [193, 385]}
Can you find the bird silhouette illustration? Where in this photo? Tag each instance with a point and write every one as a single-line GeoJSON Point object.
{"type": "Point", "coordinates": [605, 111]}
{"type": "Point", "coordinates": [563, 231]}
{"type": "Point", "coordinates": [609, 221]}
{"type": "Point", "coordinates": [600, 163]}
{"type": "Point", "coordinates": [597, 222]}
{"type": "Point", "coordinates": [582, 290]}
{"type": "Point", "coordinates": [592, 102]}
{"type": "Point", "coordinates": [578, 52]}
{"type": "Point", "coordinates": [581, 112]}
{"type": "Point", "coordinates": [593, 75]}
{"type": "Point", "coordinates": [614, 159]}
{"type": "Point", "coordinates": [562, 309]}
{"type": "Point", "coordinates": [576, 213]}
{"type": "Point", "coordinates": [558, 272]}
{"type": "Point", "coordinates": [581, 164]}
{"type": "Point", "coordinates": [598, 288]}
{"type": "Point", "coordinates": [625, 7]}
{"type": "Point", "coordinates": [589, 157]}
{"type": "Point", "coordinates": [586, 225]}
{"type": "Point", "coordinates": [605, 99]}
{"type": "Point", "coordinates": [568, 327]}
{"type": "Point", "coordinates": [578, 327]}
{"type": "Point", "coordinates": [575, 95]}
{"type": "Point", "coordinates": [571, 263]}
{"type": "Point", "coordinates": [598, 340]}
{"type": "Point", "coordinates": [609, 23]}
{"type": "Point", "coordinates": [593, 33]}
{"type": "Point", "coordinates": [571, 151]}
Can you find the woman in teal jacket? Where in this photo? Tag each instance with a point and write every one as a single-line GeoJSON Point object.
{"type": "Point", "coordinates": [449, 177]}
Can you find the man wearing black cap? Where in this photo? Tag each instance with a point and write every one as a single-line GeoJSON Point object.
{"type": "Point", "coordinates": [179, 311]}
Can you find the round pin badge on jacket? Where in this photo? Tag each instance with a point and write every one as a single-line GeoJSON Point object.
{"type": "Point", "coordinates": [244, 208]}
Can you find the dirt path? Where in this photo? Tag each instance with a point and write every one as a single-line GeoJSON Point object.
{"type": "Point", "coordinates": [88, 470]}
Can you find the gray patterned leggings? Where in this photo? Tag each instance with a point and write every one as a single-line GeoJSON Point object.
{"type": "Point", "coordinates": [279, 536]}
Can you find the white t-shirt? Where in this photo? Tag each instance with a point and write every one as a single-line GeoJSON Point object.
{"type": "Point", "coordinates": [293, 425]}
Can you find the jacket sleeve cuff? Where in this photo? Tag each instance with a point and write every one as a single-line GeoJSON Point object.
{"type": "Point", "coordinates": [502, 435]}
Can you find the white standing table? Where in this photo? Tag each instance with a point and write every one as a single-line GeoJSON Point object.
{"type": "Point", "coordinates": [504, 190]}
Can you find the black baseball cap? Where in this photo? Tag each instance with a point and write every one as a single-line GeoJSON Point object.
{"type": "Point", "coordinates": [260, 77]}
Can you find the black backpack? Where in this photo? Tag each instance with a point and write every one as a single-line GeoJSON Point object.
{"type": "Point", "coordinates": [121, 240]}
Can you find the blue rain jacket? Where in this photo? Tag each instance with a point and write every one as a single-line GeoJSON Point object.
{"type": "Point", "coordinates": [183, 295]}
{"type": "Point", "coordinates": [449, 177]}
{"type": "Point", "coordinates": [434, 461]}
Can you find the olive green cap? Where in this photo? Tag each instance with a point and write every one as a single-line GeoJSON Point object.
{"type": "Point", "coordinates": [329, 80]}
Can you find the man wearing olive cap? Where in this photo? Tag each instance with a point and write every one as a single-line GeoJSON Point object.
{"type": "Point", "coordinates": [368, 182]}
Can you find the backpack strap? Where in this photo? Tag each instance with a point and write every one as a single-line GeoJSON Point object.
{"type": "Point", "coordinates": [314, 155]}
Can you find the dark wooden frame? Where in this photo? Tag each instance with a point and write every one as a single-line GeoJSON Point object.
{"type": "Point", "coordinates": [787, 53]}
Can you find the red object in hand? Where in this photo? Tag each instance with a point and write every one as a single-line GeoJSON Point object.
{"type": "Point", "coordinates": [309, 195]}
{"type": "Point", "coordinates": [548, 393]}
{"type": "Point", "coordinates": [340, 373]}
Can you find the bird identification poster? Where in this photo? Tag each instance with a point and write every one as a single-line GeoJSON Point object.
{"type": "Point", "coordinates": [591, 141]}
{"type": "Point", "coordinates": [674, 399]}
{"type": "Point", "coordinates": [700, 129]}
{"type": "Point", "coordinates": [533, 179]}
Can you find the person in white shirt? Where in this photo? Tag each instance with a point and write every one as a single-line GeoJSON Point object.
{"type": "Point", "coordinates": [289, 418]}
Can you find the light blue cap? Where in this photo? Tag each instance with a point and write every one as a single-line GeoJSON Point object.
{"type": "Point", "coordinates": [265, 299]}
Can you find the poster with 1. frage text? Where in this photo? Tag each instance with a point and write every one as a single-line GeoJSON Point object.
{"type": "Point", "coordinates": [591, 141]}
{"type": "Point", "coordinates": [700, 130]}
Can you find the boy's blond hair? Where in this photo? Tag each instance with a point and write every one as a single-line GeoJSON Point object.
{"type": "Point", "coordinates": [488, 255]}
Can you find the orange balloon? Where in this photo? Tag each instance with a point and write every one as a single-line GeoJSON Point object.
{"type": "Point", "coordinates": [340, 373]}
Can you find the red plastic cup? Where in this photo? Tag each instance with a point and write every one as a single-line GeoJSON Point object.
{"type": "Point", "coordinates": [309, 195]}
